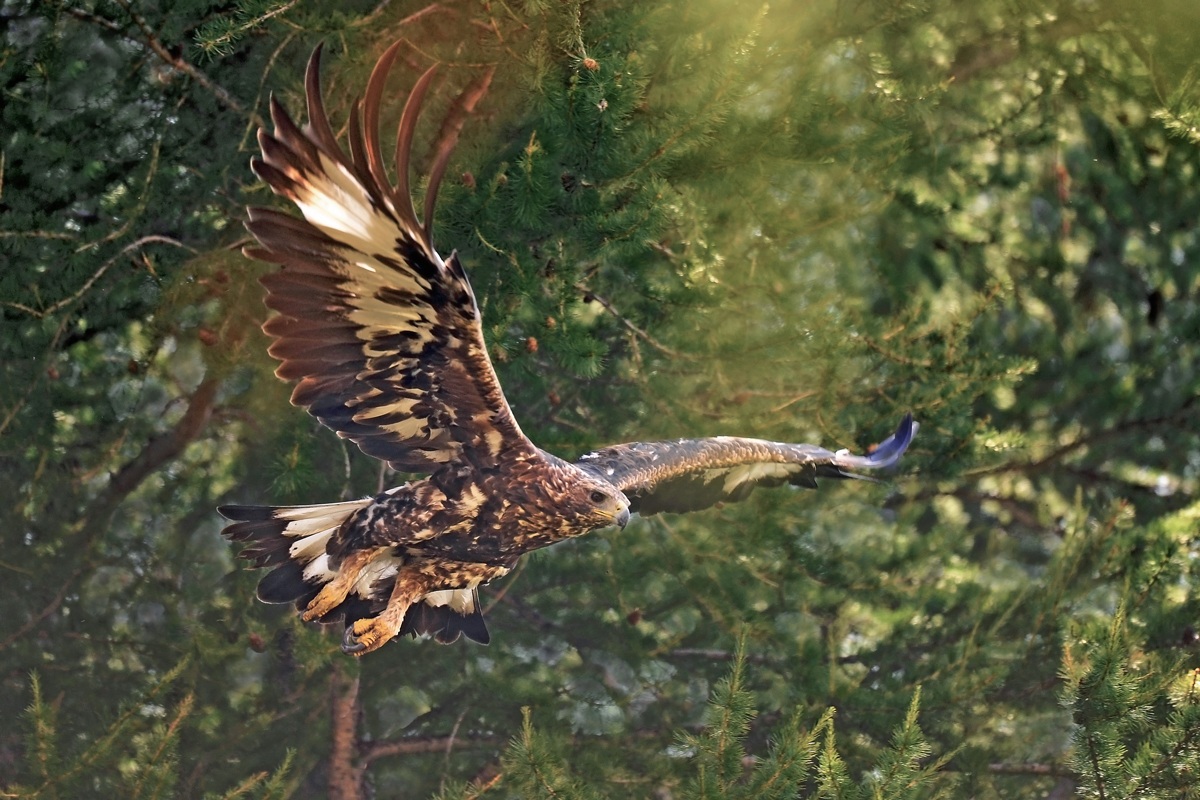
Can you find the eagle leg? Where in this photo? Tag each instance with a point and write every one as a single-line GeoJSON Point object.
{"type": "Point", "coordinates": [334, 593]}
{"type": "Point", "coordinates": [371, 633]}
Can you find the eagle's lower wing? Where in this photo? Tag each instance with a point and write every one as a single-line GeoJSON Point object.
{"type": "Point", "coordinates": [691, 474]}
{"type": "Point", "coordinates": [380, 333]}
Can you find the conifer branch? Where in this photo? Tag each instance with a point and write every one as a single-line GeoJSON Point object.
{"type": "Point", "coordinates": [116, 733]}
{"type": "Point", "coordinates": [219, 40]}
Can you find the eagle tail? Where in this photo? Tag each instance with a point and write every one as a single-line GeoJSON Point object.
{"type": "Point", "coordinates": [292, 539]}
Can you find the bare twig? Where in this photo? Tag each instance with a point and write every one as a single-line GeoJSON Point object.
{"type": "Point", "coordinates": [413, 17]}
{"type": "Point", "coordinates": [55, 602]}
{"type": "Point", "coordinates": [979, 57]}
{"type": "Point", "coordinates": [251, 127]}
{"type": "Point", "coordinates": [428, 744]}
{"type": "Point", "coordinates": [1184, 413]}
{"type": "Point", "coordinates": [508, 584]}
{"type": "Point", "coordinates": [447, 137]}
{"type": "Point", "coordinates": [714, 655]}
{"type": "Point", "coordinates": [893, 356]}
{"type": "Point", "coordinates": [176, 62]}
{"type": "Point", "coordinates": [97, 275]}
{"type": "Point", "coordinates": [641, 334]}
{"type": "Point", "coordinates": [1004, 768]}
{"type": "Point", "coordinates": [425, 745]}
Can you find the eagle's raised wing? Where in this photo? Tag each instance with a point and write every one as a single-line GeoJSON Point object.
{"type": "Point", "coordinates": [691, 474]}
{"type": "Point", "coordinates": [381, 334]}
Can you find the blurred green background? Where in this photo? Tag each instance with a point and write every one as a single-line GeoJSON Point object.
{"type": "Point", "coordinates": [794, 221]}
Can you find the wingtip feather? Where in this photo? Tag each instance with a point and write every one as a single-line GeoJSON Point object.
{"type": "Point", "coordinates": [890, 449]}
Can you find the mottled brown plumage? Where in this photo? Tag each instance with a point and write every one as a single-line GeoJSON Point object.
{"type": "Point", "coordinates": [382, 338]}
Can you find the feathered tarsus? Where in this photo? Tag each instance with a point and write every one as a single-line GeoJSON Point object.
{"type": "Point", "coordinates": [383, 341]}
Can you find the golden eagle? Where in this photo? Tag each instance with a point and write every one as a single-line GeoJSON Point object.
{"type": "Point", "coordinates": [382, 337]}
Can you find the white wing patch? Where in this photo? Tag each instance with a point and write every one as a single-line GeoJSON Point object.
{"type": "Point", "coordinates": [309, 547]}
{"type": "Point", "coordinates": [312, 527]}
{"type": "Point", "coordinates": [749, 473]}
{"type": "Point", "coordinates": [380, 569]}
{"type": "Point", "coordinates": [318, 571]}
{"type": "Point", "coordinates": [330, 510]}
{"type": "Point", "coordinates": [336, 203]}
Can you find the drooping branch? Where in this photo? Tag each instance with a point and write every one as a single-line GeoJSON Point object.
{"type": "Point", "coordinates": [94, 521]}
{"type": "Point", "coordinates": [159, 450]}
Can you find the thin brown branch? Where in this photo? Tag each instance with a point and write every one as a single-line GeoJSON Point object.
{"type": "Point", "coordinates": [447, 137]}
{"type": "Point", "coordinates": [641, 334]}
{"type": "Point", "coordinates": [251, 129]}
{"type": "Point", "coordinates": [481, 786]}
{"type": "Point", "coordinates": [107, 24]}
{"type": "Point", "coordinates": [979, 57]}
{"type": "Point", "coordinates": [714, 655]}
{"type": "Point", "coordinates": [508, 584]}
{"type": "Point", "coordinates": [893, 356]}
{"type": "Point", "coordinates": [1005, 768]}
{"type": "Point", "coordinates": [1183, 414]}
{"type": "Point", "coordinates": [369, 19]}
{"type": "Point", "coordinates": [428, 745]}
{"type": "Point", "coordinates": [178, 63]}
{"type": "Point", "coordinates": [97, 275]}
{"type": "Point", "coordinates": [55, 603]}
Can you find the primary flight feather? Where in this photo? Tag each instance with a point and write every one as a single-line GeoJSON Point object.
{"type": "Point", "coordinates": [382, 338]}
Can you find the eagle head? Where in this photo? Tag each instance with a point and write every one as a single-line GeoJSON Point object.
{"type": "Point", "coordinates": [595, 503]}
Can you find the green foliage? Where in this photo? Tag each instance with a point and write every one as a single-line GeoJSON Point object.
{"type": "Point", "coordinates": [794, 765]}
{"type": "Point", "coordinates": [136, 757]}
{"type": "Point", "coordinates": [1136, 713]}
{"type": "Point", "coordinates": [793, 221]}
{"type": "Point", "coordinates": [903, 770]}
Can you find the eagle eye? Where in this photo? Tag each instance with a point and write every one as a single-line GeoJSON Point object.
{"type": "Point", "coordinates": [598, 497]}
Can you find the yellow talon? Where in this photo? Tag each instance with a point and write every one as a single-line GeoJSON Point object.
{"type": "Point", "coordinates": [334, 593]}
{"type": "Point", "coordinates": [368, 634]}
{"type": "Point", "coordinates": [329, 598]}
